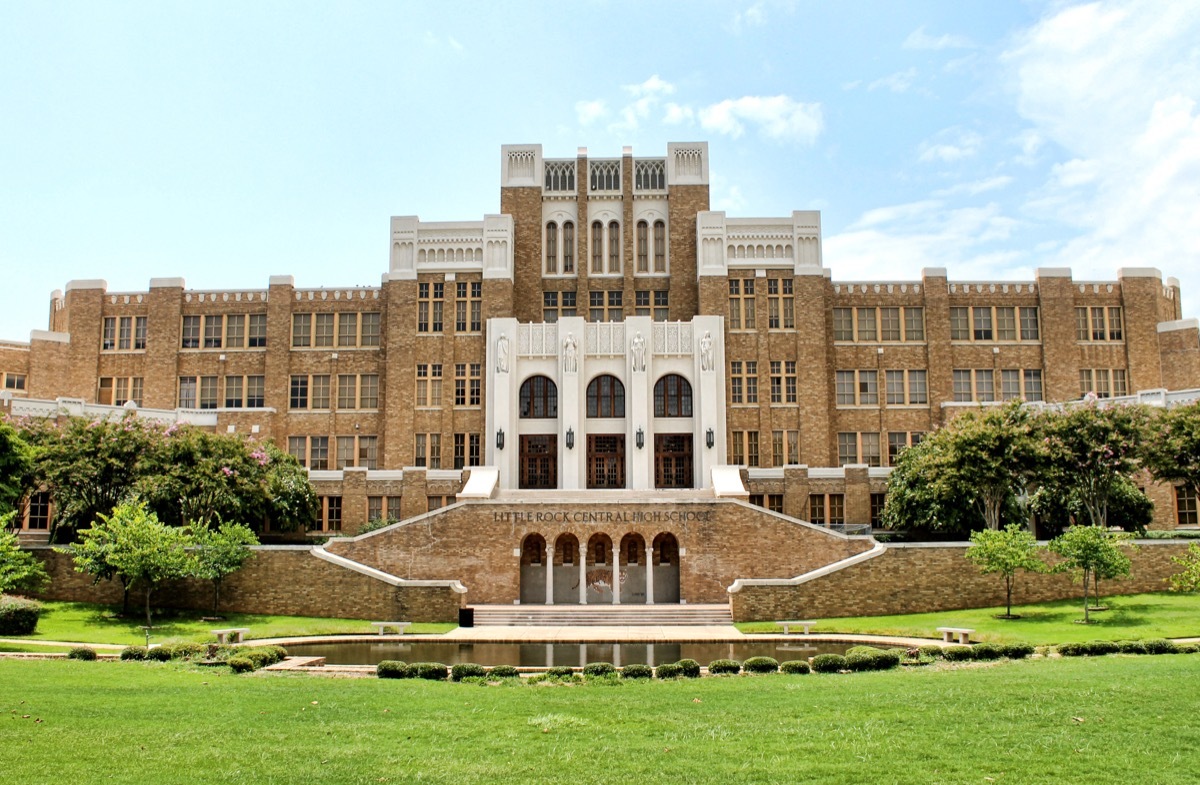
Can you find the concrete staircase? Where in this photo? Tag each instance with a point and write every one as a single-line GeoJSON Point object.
{"type": "Point", "coordinates": [601, 615]}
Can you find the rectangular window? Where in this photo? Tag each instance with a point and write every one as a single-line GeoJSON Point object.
{"type": "Point", "coordinates": [474, 451]}
{"type": "Point", "coordinates": [741, 304]}
{"type": "Point", "coordinates": [866, 324]}
{"type": "Point", "coordinates": [139, 332]}
{"type": "Point", "coordinates": [662, 307]}
{"type": "Point", "coordinates": [889, 324]}
{"type": "Point", "coordinates": [960, 326]}
{"type": "Point", "coordinates": [429, 384]}
{"type": "Point", "coordinates": [776, 381]}
{"type": "Point", "coordinates": [737, 448]}
{"type": "Point", "coordinates": [843, 324]}
{"type": "Point", "coordinates": [962, 386]}
{"type": "Point", "coordinates": [1006, 323]}
{"type": "Point", "coordinates": [1082, 331]}
{"type": "Point", "coordinates": [318, 452]}
{"type": "Point", "coordinates": [1010, 384]}
{"type": "Point", "coordinates": [323, 330]}
{"type": "Point", "coordinates": [816, 508]}
{"type": "Point", "coordinates": [39, 510]}
{"type": "Point", "coordinates": [460, 450]}
{"type": "Point", "coordinates": [333, 513]}
{"type": "Point", "coordinates": [16, 381]}
{"type": "Point", "coordinates": [191, 332]}
{"type": "Point", "coordinates": [234, 394]}
{"type": "Point", "coordinates": [837, 509]}
{"type": "Point", "coordinates": [235, 330]}
{"type": "Point", "coordinates": [897, 442]}
{"type": "Point", "coordinates": [393, 508]}
{"type": "Point", "coordinates": [301, 330]}
{"type": "Point", "coordinates": [918, 387]}
{"type": "Point", "coordinates": [982, 318]}
{"type": "Point", "coordinates": [1099, 333]}
{"type": "Point", "coordinates": [775, 502]}
{"type": "Point", "coordinates": [1120, 383]}
{"type": "Point", "coordinates": [108, 339]}
{"type": "Point", "coordinates": [641, 303]}
{"type": "Point", "coordinates": [789, 382]}
{"type": "Point", "coordinates": [894, 381]}
{"type": "Point", "coordinates": [868, 388]}
{"type": "Point", "coordinates": [1033, 385]}
{"type": "Point", "coordinates": [1185, 506]}
{"type": "Point", "coordinates": [125, 333]}
{"type": "Point", "coordinates": [345, 452]}
{"type": "Point", "coordinates": [857, 387]}
{"type": "Point", "coordinates": [844, 384]}
{"type": "Point", "coordinates": [429, 450]}
{"type": "Point", "coordinates": [256, 392]}
{"type": "Point", "coordinates": [430, 301]}
{"type": "Point", "coordinates": [298, 395]}
{"type": "Point", "coordinates": [752, 448]}
{"type": "Point", "coordinates": [878, 501]}
{"type": "Point", "coordinates": [104, 395]}
{"type": "Point", "coordinates": [1085, 381]}
{"type": "Point", "coordinates": [1029, 324]}
{"type": "Point", "coordinates": [1116, 331]}
{"type": "Point", "coordinates": [870, 449]}
{"type": "Point", "coordinates": [781, 304]}
{"type": "Point", "coordinates": [985, 385]}
{"type": "Point", "coordinates": [914, 324]}
{"type": "Point", "coordinates": [298, 449]}
{"type": "Point", "coordinates": [468, 306]}
{"type": "Point", "coordinates": [187, 392]}
{"type": "Point", "coordinates": [347, 326]}
{"type": "Point", "coordinates": [214, 328]}
{"type": "Point", "coordinates": [368, 452]}
{"type": "Point", "coordinates": [347, 391]}
{"type": "Point", "coordinates": [847, 448]}
{"type": "Point", "coordinates": [374, 508]}
{"type": "Point", "coordinates": [368, 391]}
{"type": "Point", "coordinates": [785, 447]}
{"type": "Point", "coordinates": [256, 334]}
{"type": "Point", "coordinates": [1103, 390]}
{"type": "Point", "coordinates": [319, 387]}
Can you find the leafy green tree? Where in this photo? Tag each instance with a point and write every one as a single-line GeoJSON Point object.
{"type": "Point", "coordinates": [16, 467]}
{"type": "Point", "coordinates": [292, 501]}
{"type": "Point", "coordinates": [1188, 579]}
{"type": "Point", "coordinates": [90, 555]}
{"type": "Point", "coordinates": [916, 500]}
{"type": "Point", "coordinates": [1056, 507]}
{"type": "Point", "coordinates": [220, 552]}
{"type": "Point", "coordinates": [1090, 552]}
{"type": "Point", "coordinates": [1171, 450]}
{"type": "Point", "coordinates": [19, 570]}
{"type": "Point", "coordinates": [1006, 552]}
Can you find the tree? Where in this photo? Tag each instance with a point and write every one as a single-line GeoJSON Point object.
{"type": "Point", "coordinates": [16, 467]}
{"type": "Point", "coordinates": [1056, 507]}
{"type": "Point", "coordinates": [1171, 450]}
{"type": "Point", "coordinates": [1090, 551]}
{"type": "Point", "coordinates": [1187, 579]}
{"type": "Point", "coordinates": [19, 570]}
{"type": "Point", "coordinates": [292, 501]}
{"type": "Point", "coordinates": [220, 552]}
{"type": "Point", "coordinates": [135, 546]}
{"type": "Point", "coordinates": [1006, 551]}
{"type": "Point", "coordinates": [916, 500]}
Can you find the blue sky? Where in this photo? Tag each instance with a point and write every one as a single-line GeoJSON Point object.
{"type": "Point", "coordinates": [226, 142]}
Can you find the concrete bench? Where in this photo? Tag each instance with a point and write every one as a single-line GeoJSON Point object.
{"type": "Point", "coordinates": [383, 626]}
{"type": "Point", "coordinates": [950, 633]}
{"type": "Point", "coordinates": [787, 626]}
{"type": "Point", "coordinates": [235, 632]}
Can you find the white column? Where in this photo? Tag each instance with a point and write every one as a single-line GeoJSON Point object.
{"type": "Point", "coordinates": [650, 575]}
{"type": "Point", "coordinates": [549, 574]}
{"type": "Point", "coordinates": [583, 576]}
{"type": "Point", "coordinates": [616, 582]}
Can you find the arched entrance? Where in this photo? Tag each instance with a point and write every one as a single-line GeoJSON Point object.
{"type": "Point", "coordinates": [599, 561]}
{"type": "Point", "coordinates": [568, 577]}
{"type": "Point", "coordinates": [633, 569]}
{"type": "Point", "coordinates": [665, 549]}
{"type": "Point", "coordinates": [533, 569]}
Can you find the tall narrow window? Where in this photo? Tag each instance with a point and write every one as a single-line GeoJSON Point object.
{"type": "Point", "coordinates": [597, 247]}
{"type": "Point", "coordinates": [568, 248]}
{"type": "Point", "coordinates": [551, 248]}
{"type": "Point", "coordinates": [660, 247]}
{"type": "Point", "coordinates": [643, 247]}
{"type": "Point", "coordinates": [614, 247]}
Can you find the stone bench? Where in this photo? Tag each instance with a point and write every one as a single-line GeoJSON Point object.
{"type": "Point", "coordinates": [787, 626]}
{"type": "Point", "coordinates": [962, 633]}
{"type": "Point", "coordinates": [235, 632]}
{"type": "Point", "coordinates": [383, 626]}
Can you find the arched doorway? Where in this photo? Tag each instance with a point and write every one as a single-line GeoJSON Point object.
{"type": "Point", "coordinates": [606, 452]}
{"type": "Point", "coordinates": [633, 569]}
{"type": "Point", "coordinates": [665, 550]}
{"type": "Point", "coordinates": [567, 575]}
{"type": "Point", "coordinates": [533, 569]}
{"type": "Point", "coordinates": [599, 569]}
{"type": "Point", "coordinates": [538, 452]}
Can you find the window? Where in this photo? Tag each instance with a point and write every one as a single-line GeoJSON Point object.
{"type": "Point", "coordinates": [1033, 385]}
{"type": "Point", "coordinates": [214, 327]}
{"type": "Point", "coordinates": [347, 325]}
{"type": "Point", "coordinates": [298, 395]}
{"type": "Point", "coordinates": [605, 306]}
{"type": "Point", "coordinates": [870, 449]}
{"type": "Point", "coordinates": [1103, 382]}
{"type": "Point", "coordinates": [39, 511]}
{"type": "Point", "coordinates": [301, 330]}
{"type": "Point", "coordinates": [847, 448]}
{"type": "Point", "coordinates": [538, 398]}
{"type": "Point", "coordinates": [330, 514]}
{"type": "Point", "coordinates": [605, 397]}
{"type": "Point", "coordinates": [898, 441]}
{"type": "Point", "coordinates": [1010, 384]}
{"type": "Point", "coordinates": [16, 381]}
{"type": "Point", "coordinates": [235, 330]}
{"type": "Point", "coordinates": [770, 501]}
{"type": "Point", "coordinates": [1185, 506]}
{"type": "Point", "coordinates": [744, 448]}
{"type": "Point", "coordinates": [878, 501]}
{"type": "Point", "coordinates": [889, 324]}
{"type": "Point", "coordinates": [978, 385]}
{"type": "Point", "coordinates": [429, 384]}
{"type": "Point", "coordinates": [906, 387]}
{"type": "Point", "coordinates": [255, 392]}
{"type": "Point", "coordinates": [643, 247]}
{"type": "Point", "coordinates": [660, 247]}
{"type": "Point", "coordinates": [256, 336]}
{"type": "Point", "coordinates": [234, 392]}
{"type": "Point", "coordinates": [187, 392]}
{"type": "Point", "coordinates": [557, 304]}
{"type": "Point", "coordinates": [374, 508]}
{"type": "Point", "coordinates": [318, 452]}
{"type": "Point", "coordinates": [783, 381]}
{"type": "Point", "coordinates": [1006, 324]}
{"type": "Point", "coordinates": [552, 248]}
{"type": "Point", "coordinates": [843, 324]}
{"type": "Point", "coordinates": [857, 388]}
{"type": "Point", "coordinates": [1029, 324]}
{"type": "Point", "coordinates": [430, 300]}
{"type": "Point", "coordinates": [467, 384]}
{"type": "Point", "coordinates": [360, 451]}
{"type": "Point", "coordinates": [960, 329]}
{"type": "Point", "coordinates": [878, 324]}
{"type": "Point", "coordinates": [785, 447]}
{"type": "Point", "coordinates": [743, 381]}
{"type": "Point", "coordinates": [914, 324]}
{"type": "Point", "coordinates": [1099, 324]}
{"type": "Point", "coordinates": [982, 319]}
{"type": "Point", "coordinates": [985, 385]}
{"type": "Point", "coordinates": [428, 450]}
{"type": "Point", "coordinates": [112, 391]}
{"type": "Point", "coordinates": [672, 397]}
{"type": "Point", "coordinates": [568, 248]}
{"type": "Point", "coordinates": [191, 332]}
{"type": "Point", "coordinates": [123, 333]}
{"type": "Point", "coordinates": [866, 324]}
{"type": "Point", "coordinates": [816, 508]}
{"type": "Point", "coordinates": [1120, 384]}
{"type": "Point", "coordinates": [597, 246]}
{"type": "Point", "coordinates": [781, 304]}
{"type": "Point", "coordinates": [827, 509]}
{"type": "Point", "coordinates": [108, 338]}
{"type": "Point", "coordinates": [614, 247]}
{"type": "Point", "coordinates": [741, 303]}
{"type": "Point", "coordinates": [323, 330]}
{"type": "Point", "coordinates": [468, 306]}
{"type": "Point", "coordinates": [393, 507]}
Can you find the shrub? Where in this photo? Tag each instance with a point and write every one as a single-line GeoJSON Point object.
{"type": "Point", "coordinates": [1131, 647]}
{"type": "Point", "coordinates": [277, 652]}
{"type": "Point", "coordinates": [722, 667]}
{"type": "Point", "coordinates": [1188, 648]}
{"type": "Point", "coordinates": [159, 654]}
{"type": "Point", "coordinates": [637, 672]}
{"type": "Point", "coordinates": [82, 653]}
{"type": "Point", "coordinates": [467, 670]}
{"type": "Point", "coordinates": [504, 672]}
{"type": "Point", "coordinates": [433, 671]}
{"type": "Point", "coordinates": [691, 668]}
{"type": "Point", "coordinates": [759, 665]}
{"type": "Point", "coordinates": [886, 659]}
{"type": "Point", "coordinates": [1071, 649]}
{"type": "Point", "coordinates": [1161, 646]}
{"type": "Point", "coordinates": [668, 670]}
{"type": "Point", "coordinates": [561, 672]}
{"type": "Point", "coordinates": [259, 657]}
{"type": "Point", "coordinates": [185, 651]}
{"type": "Point", "coordinates": [394, 669]}
{"type": "Point", "coordinates": [958, 653]}
{"type": "Point", "coordinates": [987, 651]}
{"type": "Point", "coordinates": [599, 669]}
{"type": "Point", "coordinates": [240, 664]}
{"type": "Point", "coordinates": [930, 650]}
{"type": "Point", "coordinates": [18, 616]}
{"type": "Point", "coordinates": [1100, 648]}
{"type": "Point", "coordinates": [828, 663]}
{"type": "Point", "coordinates": [1017, 651]}
{"type": "Point", "coordinates": [872, 660]}
{"type": "Point", "coordinates": [861, 650]}
{"type": "Point", "coordinates": [795, 667]}
{"type": "Point", "coordinates": [133, 653]}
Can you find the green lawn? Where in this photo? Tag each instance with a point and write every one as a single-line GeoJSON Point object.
{"type": "Point", "coordinates": [86, 623]}
{"type": "Point", "coordinates": [1130, 616]}
{"type": "Point", "coordinates": [1086, 720]}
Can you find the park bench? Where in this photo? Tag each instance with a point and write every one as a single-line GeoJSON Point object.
{"type": "Point", "coordinates": [236, 632]}
{"type": "Point", "coordinates": [962, 633]}
{"type": "Point", "coordinates": [787, 626]}
{"type": "Point", "coordinates": [383, 626]}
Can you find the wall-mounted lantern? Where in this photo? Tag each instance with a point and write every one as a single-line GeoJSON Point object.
{"type": "Point", "coordinates": [640, 438]}
{"type": "Point", "coordinates": [710, 438]}
{"type": "Point", "coordinates": [499, 438]}
{"type": "Point", "coordinates": [570, 438]}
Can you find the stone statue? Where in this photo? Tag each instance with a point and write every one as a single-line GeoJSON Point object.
{"type": "Point", "coordinates": [706, 352]}
{"type": "Point", "coordinates": [502, 354]}
{"type": "Point", "coordinates": [570, 349]}
{"type": "Point", "coordinates": [637, 350]}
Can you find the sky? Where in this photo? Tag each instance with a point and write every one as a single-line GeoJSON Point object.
{"type": "Point", "coordinates": [225, 142]}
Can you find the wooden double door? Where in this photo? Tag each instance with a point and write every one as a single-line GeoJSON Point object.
{"type": "Point", "coordinates": [606, 460]}
{"type": "Point", "coordinates": [673, 460]}
{"type": "Point", "coordinates": [539, 461]}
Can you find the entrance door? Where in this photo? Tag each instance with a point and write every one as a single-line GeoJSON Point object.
{"type": "Point", "coordinates": [606, 461]}
{"type": "Point", "coordinates": [673, 460]}
{"type": "Point", "coordinates": [539, 461]}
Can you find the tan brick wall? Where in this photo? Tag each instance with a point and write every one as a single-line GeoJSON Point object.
{"type": "Point", "coordinates": [1180, 350]}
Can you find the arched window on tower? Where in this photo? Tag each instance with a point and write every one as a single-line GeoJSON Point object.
{"type": "Point", "coordinates": [606, 397]}
{"type": "Point", "coordinates": [551, 248]}
{"type": "Point", "coordinates": [568, 248]}
{"type": "Point", "coordinates": [643, 247]}
{"type": "Point", "coordinates": [539, 398]}
{"type": "Point", "coordinates": [614, 247]}
{"type": "Point", "coordinates": [672, 397]}
{"type": "Point", "coordinates": [660, 247]}
{"type": "Point", "coordinates": [597, 245]}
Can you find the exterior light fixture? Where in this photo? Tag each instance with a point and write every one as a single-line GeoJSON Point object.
{"type": "Point", "coordinates": [570, 438]}
{"type": "Point", "coordinates": [640, 438]}
{"type": "Point", "coordinates": [499, 438]}
{"type": "Point", "coordinates": [710, 438]}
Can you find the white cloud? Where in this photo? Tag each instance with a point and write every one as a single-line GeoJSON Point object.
{"type": "Point", "coordinates": [919, 39]}
{"type": "Point", "coordinates": [754, 16]}
{"type": "Point", "coordinates": [898, 82]}
{"type": "Point", "coordinates": [778, 117]}
{"type": "Point", "coordinates": [950, 146]}
{"type": "Point", "coordinates": [976, 187]}
{"type": "Point", "coordinates": [676, 114]}
{"type": "Point", "coordinates": [654, 86]}
{"type": "Point", "coordinates": [589, 112]}
{"type": "Point", "coordinates": [731, 200]}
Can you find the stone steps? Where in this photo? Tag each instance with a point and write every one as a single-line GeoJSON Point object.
{"type": "Point", "coordinates": [601, 615]}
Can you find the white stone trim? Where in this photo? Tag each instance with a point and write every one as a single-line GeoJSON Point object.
{"type": "Point", "coordinates": [1179, 324]}
{"type": "Point", "coordinates": [1138, 272]}
{"type": "Point", "coordinates": [828, 569]}
{"type": "Point", "coordinates": [87, 283]}
{"type": "Point", "coordinates": [379, 575]}
{"type": "Point", "coordinates": [47, 335]}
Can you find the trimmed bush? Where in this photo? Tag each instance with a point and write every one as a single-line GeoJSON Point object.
{"type": "Point", "coordinates": [394, 669]}
{"type": "Point", "coordinates": [691, 668]}
{"type": "Point", "coordinates": [82, 653]}
{"type": "Point", "coordinates": [828, 663]}
{"type": "Point", "coordinates": [637, 672]}
{"type": "Point", "coordinates": [861, 650]}
{"type": "Point", "coordinates": [1017, 651]}
{"type": "Point", "coordinates": [760, 665]}
{"type": "Point", "coordinates": [133, 653]}
{"type": "Point", "coordinates": [724, 667]}
{"type": "Point", "coordinates": [186, 651]}
{"type": "Point", "coordinates": [467, 670]}
{"type": "Point", "coordinates": [159, 654]}
{"type": "Point", "coordinates": [18, 616]}
{"type": "Point", "coordinates": [433, 671]}
{"type": "Point", "coordinates": [1131, 647]}
{"type": "Point", "coordinates": [1161, 646]}
{"type": "Point", "coordinates": [599, 669]}
{"type": "Point", "coordinates": [259, 657]}
{"type": "Point", "coordinates": [872, 660]}
{"type": "Point", "coordinates": [504, 672]}
{"type": "Point", "coordinates": [561, 672]}
{"type": "Point", "coordinates": [1071, 649]}
{"type": "Point", "coordinates": [930, 650]}
{"type": "Point", "coordinates": [795, 667]}
{"type": "Point", "coordinates": [958, 653]}
{"type": "Point", "coordinates": [240, 664]}
{"type": "Point", "coordinates": [886, 659]}
{"type": "Point", "coordinates": [668, 670]}
{"type": "Point", "coordinates": [1100, 648]}
{"type": "Point", "coordinates": [987, 651]}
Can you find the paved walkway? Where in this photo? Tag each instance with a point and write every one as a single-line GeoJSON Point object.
{"type": "Point", "coordinates": [67, 644]}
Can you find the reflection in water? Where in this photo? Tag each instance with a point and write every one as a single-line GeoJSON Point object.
{"type": "Point", "coordinates": [535, 655]}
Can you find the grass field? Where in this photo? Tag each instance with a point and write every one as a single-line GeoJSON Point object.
{"type": "Point", "coordinates": [1130, 616]}
{"type": "Point", "coordinates": [1099, 720]}
{"type": "Point", "coordinates": [86, 623]}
